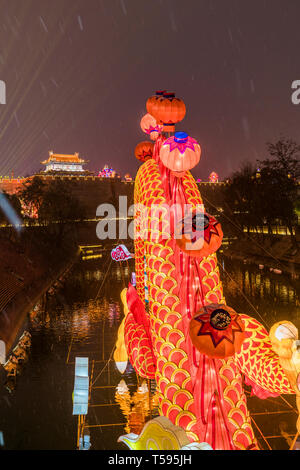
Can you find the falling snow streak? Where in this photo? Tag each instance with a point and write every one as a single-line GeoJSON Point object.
{"type": "Point", "coordinates": [246, 127]}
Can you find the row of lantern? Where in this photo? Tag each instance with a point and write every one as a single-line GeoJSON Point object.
{"type": "Point", "coordinates": [178, 153]}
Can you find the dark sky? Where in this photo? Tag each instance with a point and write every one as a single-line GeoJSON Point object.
{"type": "Point", "coordinates": [78, 74]}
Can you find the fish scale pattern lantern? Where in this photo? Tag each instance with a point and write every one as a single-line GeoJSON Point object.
{"type": "Point", "coordinates": [180, 153]}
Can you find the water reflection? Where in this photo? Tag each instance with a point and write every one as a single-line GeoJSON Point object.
{"type": "Point", "coordinates": [269, 297]}
{"type": "Point", "coordinates": [138, 407]}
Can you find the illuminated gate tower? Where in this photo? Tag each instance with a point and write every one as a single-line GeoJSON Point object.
{"type": "Point", "coordinates": [64, 163]}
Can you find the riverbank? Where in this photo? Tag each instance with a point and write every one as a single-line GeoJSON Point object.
{"type": "Point", "coordinates": [275, 252]}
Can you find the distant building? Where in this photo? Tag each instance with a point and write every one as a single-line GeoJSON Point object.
{"type": "Point", "coordinates": [107, 172]}
{"type": "Point", "coordinates": [11, 185]}
{"type": "Point", "coordinates": [64, 163]}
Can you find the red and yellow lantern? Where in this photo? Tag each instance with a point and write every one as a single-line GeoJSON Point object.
{"type": "Point", "coordinates": [217, 331]}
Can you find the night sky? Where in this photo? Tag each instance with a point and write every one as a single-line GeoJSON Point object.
{"type": "Point", "coordinates": [78, 74]}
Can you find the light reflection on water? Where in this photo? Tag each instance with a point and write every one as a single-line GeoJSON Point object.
{"type": "Point", "coordinates": [74, 322]}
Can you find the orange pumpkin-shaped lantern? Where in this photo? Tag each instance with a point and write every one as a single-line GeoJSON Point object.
{"type": "Point", "coordinates": [144, 151]}
{"type": "Point", "coordinates": [199, 234]}
{"type": "Point", "coordinates": [152, 100]}
{"type": "Point", "coordinates": [168, 110]}
{"type": "Point", "coordinates": [150, 126]}
{"type": "Point", "coordinates": [180, 153]}
{"type": "Point", "coordinates": [217, 331]}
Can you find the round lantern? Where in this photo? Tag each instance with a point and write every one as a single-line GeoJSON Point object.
{"type": "Point", "coordinates": [150, 126]}
{"type": "Point", "coordinates": [180, 153]}
{"type": "Point", "coordinates": [283, 335]}
{"type": "Point", "coordinates": [217, 331]}
{"type": "Point", "coordinates": [152, 100]}
{"type": "Point", "coordinates": [168, 110]}
{"type": "Point", "coordinates": [144, 151]}
{"type": "Point", "coordinates": [120, 353]}
{"type": "Point", "coordinates": [199, 234]}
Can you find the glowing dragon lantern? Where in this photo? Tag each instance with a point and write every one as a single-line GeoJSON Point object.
{"type": "Point", "coordinates": [168, 111]}
{"type": "Point", "coordinates": [180, 153]}
{"type": "Point", "coordinates": [217, 331]}
{"type": "Point", "coordinates": [144, 151]}
{"type": "Point", "coordinates": [150, 126]}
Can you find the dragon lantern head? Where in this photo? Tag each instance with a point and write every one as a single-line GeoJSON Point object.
{"type": "Point", "coordinates": [180, 153]}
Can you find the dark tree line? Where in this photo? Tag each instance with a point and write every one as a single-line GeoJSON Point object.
{"type": "Point", "coordinates": [268, 193]}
